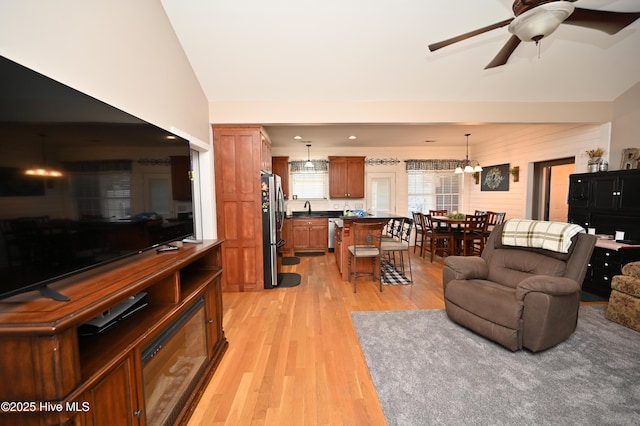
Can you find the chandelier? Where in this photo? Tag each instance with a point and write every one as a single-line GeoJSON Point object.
{"type": "Point", "coordinates": [465, 166]}
{"type": "Point", "coordinates": [42, 170]}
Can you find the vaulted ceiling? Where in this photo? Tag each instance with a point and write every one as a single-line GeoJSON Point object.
{"type": "Point", "coordinates": [370, 51]}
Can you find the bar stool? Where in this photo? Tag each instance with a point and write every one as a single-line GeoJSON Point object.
{"type": "Point", "coordinates": [366, 245]}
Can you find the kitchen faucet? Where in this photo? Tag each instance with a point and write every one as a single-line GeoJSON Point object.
{"type": "Point", "coordinates": [307, 204]}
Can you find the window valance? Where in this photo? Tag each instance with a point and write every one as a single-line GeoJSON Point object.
{"type": "Point", "coordinates": [98, 166]}
{"type": "Point", "coordinates": [419, 165]}
{"type": "Point", "coordinates": [318, 166]}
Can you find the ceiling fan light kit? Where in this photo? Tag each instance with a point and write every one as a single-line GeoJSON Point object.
{"type": "Point", "coordinates": [536, 19]}
{"type": "Point", "coordinates": [539, 22]}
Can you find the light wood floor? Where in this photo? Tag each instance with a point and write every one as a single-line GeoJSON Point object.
{"type": "Point", "coordinates": [294, 357]}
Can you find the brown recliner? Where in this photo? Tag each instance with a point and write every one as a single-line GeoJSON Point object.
{"type": "Point", "coordinates": [518, 296]}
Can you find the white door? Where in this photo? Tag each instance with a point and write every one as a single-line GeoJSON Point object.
{"type": "Point", "coordinates": [381, 192]}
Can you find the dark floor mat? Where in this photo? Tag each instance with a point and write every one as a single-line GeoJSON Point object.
{"type": "Point", "coordinates": [288, 279]}
{"type": "Point", "coordinates": [288, 261]}
{"type": "Point", "coordinates": [310, 253]}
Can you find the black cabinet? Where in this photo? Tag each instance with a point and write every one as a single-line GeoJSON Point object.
{"type": "Point", "coordinates": [604, 264]}
{"type": "Point", "coordinates": [608, 202]}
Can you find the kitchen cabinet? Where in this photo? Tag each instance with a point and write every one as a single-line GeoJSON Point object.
{"type": "Point", "coordinates": [338, 246]}
{"type": "Point", "coordinates": [346, 177]}
{"type": "Point", "coordinates": [287, 248]}
{"type": "Point", "coordinates": [239, 155]}
{"type": "Point", "coordinates": [280, 167]}
{"type": "Point", "coordinates": [265, 153]}
{"type": "Point", "coordinates": [310, 234]}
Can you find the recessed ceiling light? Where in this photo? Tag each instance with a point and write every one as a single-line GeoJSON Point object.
{"type": "Point", "coordinates": [297, 137]}
{"type": "Point", "coordinates": [353, 137]}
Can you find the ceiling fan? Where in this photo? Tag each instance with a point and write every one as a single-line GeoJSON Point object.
{"type": "Point", "coordinates": [536, 19]}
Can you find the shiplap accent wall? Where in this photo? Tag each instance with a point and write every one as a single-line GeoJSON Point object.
{"type": "Point", "coordinates": [523, 148]}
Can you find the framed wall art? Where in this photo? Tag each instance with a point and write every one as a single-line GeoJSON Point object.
{"type": "Point", "coordinates": [495, 178]}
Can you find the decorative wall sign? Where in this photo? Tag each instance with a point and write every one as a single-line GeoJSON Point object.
{"type": "Point", "coordinates": [630, 159]}
{"type": "Point", "coordinates": [495, 178]}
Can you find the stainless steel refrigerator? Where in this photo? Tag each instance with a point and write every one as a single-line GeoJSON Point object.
{"type": "Point", "coordinates": [273, 212]}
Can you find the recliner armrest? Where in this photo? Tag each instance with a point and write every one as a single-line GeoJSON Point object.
{"type": "Point", "coordinates": [555, 286]}
{"type": "Point", "coordinates": [467, 267]}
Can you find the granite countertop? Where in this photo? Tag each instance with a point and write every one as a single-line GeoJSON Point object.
{"type": "Point", "coordinates": [377, 215]}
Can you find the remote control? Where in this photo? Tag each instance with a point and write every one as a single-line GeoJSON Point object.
{"type": "Point", "coordinates": [168, 248]}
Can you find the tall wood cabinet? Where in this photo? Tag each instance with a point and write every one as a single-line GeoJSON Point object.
{"type": "Point", "coordinates": [240, 155]}
{"type": "Point", "coordinates": [346, 177]}
{"type": "Point", "coordinates": [72, 377]}
{"type": "Point", "coordinates": [280, 167]}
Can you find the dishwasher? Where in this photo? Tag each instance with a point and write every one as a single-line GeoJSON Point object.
{"type": "Point", "coordinates": [332, 232]}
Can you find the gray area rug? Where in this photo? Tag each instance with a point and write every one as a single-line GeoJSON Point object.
{"type": "Point", "coordinates": [429, 371]}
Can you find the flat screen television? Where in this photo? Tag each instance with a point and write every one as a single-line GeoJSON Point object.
{"type": "Point", "coordinates": [82, 183]}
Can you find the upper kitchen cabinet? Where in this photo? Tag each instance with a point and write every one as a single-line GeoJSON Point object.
{"type": "Point", "coordinates": [346, 177]}
{"type": "Point", "coordinates": [280, 167]}
{"type": "Point", "coordinates": [265, 163]}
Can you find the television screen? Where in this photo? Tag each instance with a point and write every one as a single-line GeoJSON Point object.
{"type": "Point", "coordinates": [81, 183]}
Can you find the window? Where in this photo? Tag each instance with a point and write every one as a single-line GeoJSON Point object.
{"type": "Point", "coordinates": [309, 184]}
{"type": "Point", "coordinates": [103, 195]}
{"type": "Point", "coordinates": [433, 190]}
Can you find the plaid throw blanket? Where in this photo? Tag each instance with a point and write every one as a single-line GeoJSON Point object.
{"type": "Point", "coordinates": [554, 236]}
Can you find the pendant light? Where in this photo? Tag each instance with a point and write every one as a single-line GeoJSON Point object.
{"type": "Point", "coordinates": [308, 164]}
{"type": "Point", "coordinates": [43, 170]}
{"type": "Point", "coordinates": [465, 166]}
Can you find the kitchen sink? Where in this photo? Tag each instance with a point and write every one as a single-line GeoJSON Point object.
{"type": "Point", "coordinates": [318, 213]}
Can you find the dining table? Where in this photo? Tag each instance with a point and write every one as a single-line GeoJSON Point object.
{"type": "Point", "coordinates": [456, 226]}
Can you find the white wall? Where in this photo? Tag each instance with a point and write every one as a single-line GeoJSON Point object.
{"type": "Point", "coordinates": [124, 53]}
{"type": "Point", "coordinates": [625, 125]}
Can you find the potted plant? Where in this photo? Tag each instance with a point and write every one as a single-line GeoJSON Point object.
{"type": "Point", "coordinates": [595, 158]}
{"type": "Point", "coordinates": [515, 172]}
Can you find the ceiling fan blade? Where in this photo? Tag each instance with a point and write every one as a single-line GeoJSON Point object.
{"type": "Point", "coordinates": [603, 20]}
{"type": "Point", "coordinates": [444, 43]}
{"type": "Point", "coordinates": [503, 55]}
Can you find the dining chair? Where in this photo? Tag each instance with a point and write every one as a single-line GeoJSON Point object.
{"type": "Point", "coordinates": [420, 231]}
{"type": "Point", "coordinates": [393, 252]}
{"type": "Point", "coordinates": [471, 238]}
{"type": "Point", "coordinates": [441, 212]}
{"type": "Point", "coordinates": [495, 218]}
{"type": "Point", "coordinates": [367, 236]}
{"type": "Point", "coordinates": [440, 239]}
{"type": "Point", "coordinates": [393, 229]}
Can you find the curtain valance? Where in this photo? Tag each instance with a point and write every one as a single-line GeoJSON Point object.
{"type": "Point", "coordinates": [98, 166]}
{"type": "Point", "coordinates": [318, 166]}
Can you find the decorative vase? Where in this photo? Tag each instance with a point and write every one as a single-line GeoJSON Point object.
{"type": "Point", "coordinates": [594, 164]}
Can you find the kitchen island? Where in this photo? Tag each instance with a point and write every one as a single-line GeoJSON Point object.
{"type": "Point", "coordinates": [344, 238]}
